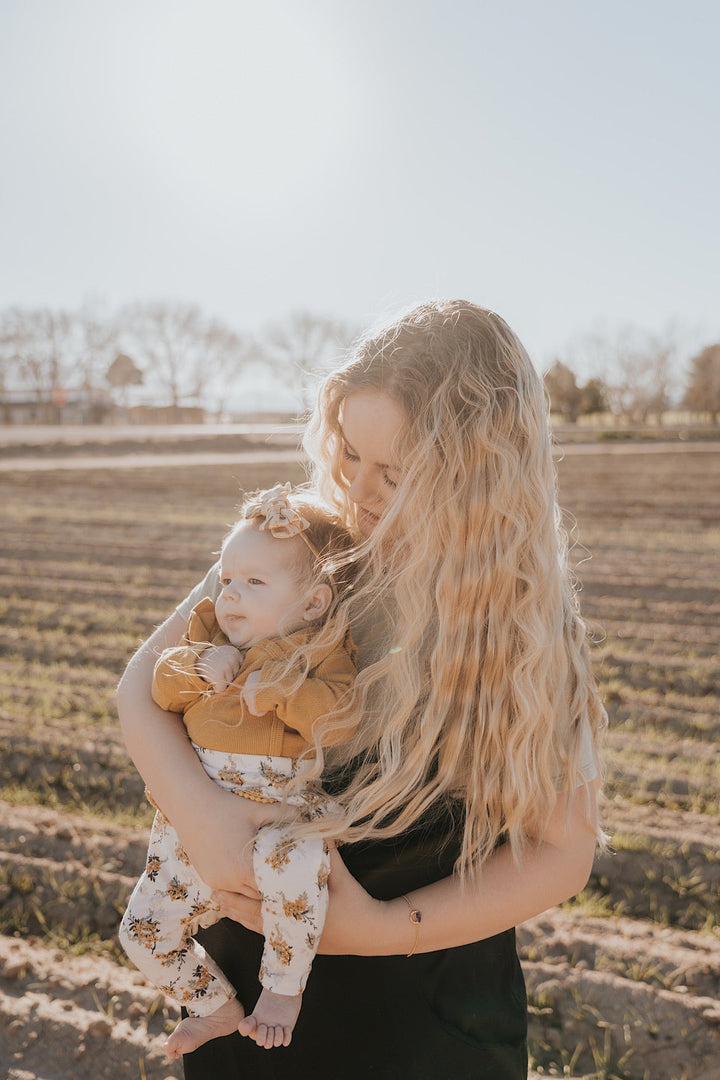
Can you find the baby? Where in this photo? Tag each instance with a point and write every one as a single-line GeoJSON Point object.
{"type": "Point", "coordinates": [250, 708]}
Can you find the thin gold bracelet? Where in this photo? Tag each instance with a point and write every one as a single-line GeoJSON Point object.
{"type": "Point", "coordinates": [415, 919]}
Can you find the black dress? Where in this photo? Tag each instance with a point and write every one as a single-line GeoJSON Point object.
{"type": "Point", "coordinates": [456, 1014]}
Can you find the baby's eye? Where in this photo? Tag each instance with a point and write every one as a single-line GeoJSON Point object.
{"type": "Point", "coordinates": [225, 581]}
{"type": "Point", "coordinates": [255, 581]}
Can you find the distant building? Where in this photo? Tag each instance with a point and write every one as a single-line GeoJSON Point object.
{"type": "Point", "coordinates": [62, 407]}
{"type": "Point", "coordinates": [165, 414]}
{"type": "Point", "coordinates": [89, 407]}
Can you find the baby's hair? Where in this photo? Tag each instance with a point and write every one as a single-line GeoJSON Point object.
{"type": "Point", "coordinates": [326, 548]}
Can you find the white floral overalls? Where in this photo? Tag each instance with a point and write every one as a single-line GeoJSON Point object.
{"type": "Point", "coordinates": [170, 901]}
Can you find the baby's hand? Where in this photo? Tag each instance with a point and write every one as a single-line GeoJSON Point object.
{"type": "Point", "coordinates": [249, 691]}
{"type": "Point", "coordinates": [219, 665]}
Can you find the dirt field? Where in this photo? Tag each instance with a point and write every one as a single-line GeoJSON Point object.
{"type": "Point", "coordinates": [623, 982]}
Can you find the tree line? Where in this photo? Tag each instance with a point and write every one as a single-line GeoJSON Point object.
{"type": "Point", "coordinates": [649, 375]}
{"type": "Point", "coordinates": [177, 352]}
{"type": "Point", "coordinates": [183, 356]}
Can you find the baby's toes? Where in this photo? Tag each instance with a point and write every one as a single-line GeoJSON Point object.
{"type": "Point", "coordinates": [247, 1026]}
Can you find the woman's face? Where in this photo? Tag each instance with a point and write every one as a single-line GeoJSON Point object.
{"type": "Point", "coordinates": [370, 422]}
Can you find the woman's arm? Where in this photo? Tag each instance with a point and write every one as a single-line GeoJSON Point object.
{"type": "Point", "coordinates": [453, 913]}
{"type": "Point", "coordinates": [502, 896]}
{"type": "Point", "coordinates": [215, 827]}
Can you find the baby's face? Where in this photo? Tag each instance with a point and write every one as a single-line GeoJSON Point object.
{"type": "Point", "coordinates": [261, 595]}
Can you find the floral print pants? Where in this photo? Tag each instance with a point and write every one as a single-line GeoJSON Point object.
{"type": "Point", "coordinates": [170, 901]}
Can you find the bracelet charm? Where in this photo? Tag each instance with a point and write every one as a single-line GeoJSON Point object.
{"type": "Point", "coordinates": [415, 917]}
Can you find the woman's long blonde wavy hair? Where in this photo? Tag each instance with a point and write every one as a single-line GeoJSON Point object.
{"type": "Point", "coordinates": [479, 691]}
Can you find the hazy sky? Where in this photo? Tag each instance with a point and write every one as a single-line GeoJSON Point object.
{"type": "Point", "coordinates": [558, 161]}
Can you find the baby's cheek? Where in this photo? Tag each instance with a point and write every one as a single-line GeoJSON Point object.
{"type": "Point", "coordinates": [220, 616]}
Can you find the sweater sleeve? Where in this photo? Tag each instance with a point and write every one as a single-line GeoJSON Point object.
{"type": "Point", "coordinates": [176, 684]}
{"type": "Point", "coordinates": [318, 695]}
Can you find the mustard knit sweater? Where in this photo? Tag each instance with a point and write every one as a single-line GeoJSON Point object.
{"type": "Point", "coordinates": [222, 721]}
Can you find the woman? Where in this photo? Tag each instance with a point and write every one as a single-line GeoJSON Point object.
{"type": "Point", "coordinates": [469, 790]}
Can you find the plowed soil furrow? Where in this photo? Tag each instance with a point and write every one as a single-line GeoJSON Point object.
{"type": "Point", "coordinates": [672, 651]}
{"type": "Point", "coordinates": [79, 1018]}
{"type": "Point", "coordinates": [65, 876]}
{"type": "Point", "coordinates": [675, 827]}
{"type": "Point", "coordinates": [666, 788]}
{"type": "Point", "coordinates": [113, 646]}
{"type": "Point", "coordinates": [660, 956]}
{"type": "Point", "coordinates": [83, 775]}
{"type": "Point", "coordinates": [106, 589]}
{"type": "Point", "coordinates": [90, 560]}
{"type": "Point", "coordinates": [686, 773]}
{"type": "Point", "coordinates": [53, 739]}
{"type": "Point", "coordinates": [41, 833]}
{"type": "Point", "coordinates": [601, 1017]}
{"type": "Point", "coordinates": [619, 616]}
{"type": "Point", "coordinates": [676, 751]}
{"type": "Point", "coordinates": [638, 721]}
{"type": "Point", "coordinates": [67, 900]}
{"type": "Point", "coordinates": [703, 703]}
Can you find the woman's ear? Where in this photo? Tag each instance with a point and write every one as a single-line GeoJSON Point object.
{"type": "Point", "coordinates": [317, 602]}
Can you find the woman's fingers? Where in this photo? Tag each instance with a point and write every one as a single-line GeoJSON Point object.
{"type": "Point", "coordinates": [242, 907]}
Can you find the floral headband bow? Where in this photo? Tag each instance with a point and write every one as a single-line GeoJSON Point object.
{"type": "Point", "coordinates": [280, 518]}
{"type": "Point", "coordinates": [273, 511]}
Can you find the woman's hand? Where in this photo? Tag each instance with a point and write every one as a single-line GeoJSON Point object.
{"type": "Point", "coordinates": [219, 838]}
{"type": "Point", "coordinates": [355, 922]}
{"type": "Point", "coordinates": [242, 907]}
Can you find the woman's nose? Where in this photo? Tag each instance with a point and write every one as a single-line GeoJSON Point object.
{"type": "Point", "coordinates": [362, 489]}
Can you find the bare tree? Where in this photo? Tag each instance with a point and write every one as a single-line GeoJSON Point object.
{"type": "Point", "coordinates": [301, 346]}
{"type": "Point", "coordinates": [96, 341]}
{"type": "Point", "coordinates": [181, 350]}
{"type": "Point", "coordinates": [38, 354]}
{"type": "Point", "coordinates": [703, 388]}
{"type": "Point", "coordinates": [646, 375]}
{"type": "Point", "coordinates": [638, 370]}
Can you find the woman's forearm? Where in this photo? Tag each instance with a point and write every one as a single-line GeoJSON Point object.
{"type": "Point", "coordinates": [454, 913]}
{"type": "Point", "coordinates": [156, 740]}
{"type": "Point", "coordinates": [214, 826]}
{"type": "Point", "coordinates": [505, 895]}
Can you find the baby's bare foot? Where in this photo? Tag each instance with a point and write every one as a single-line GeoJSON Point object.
{"type": "Point", "coordinates": [193, 1031]}
{"type": "Point", "coordinates": [272, 1020]}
